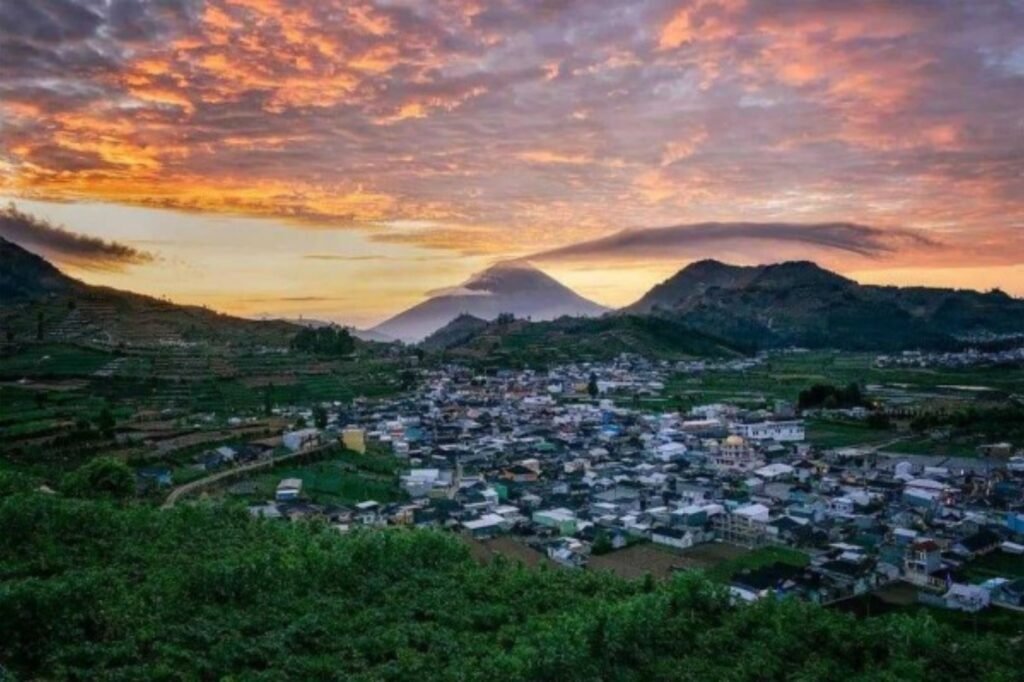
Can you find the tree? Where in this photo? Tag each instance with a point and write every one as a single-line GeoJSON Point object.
{"type": "Point", "coordinates": [268, 403]}
{"type": "Point", "coordinates": [334, 341]}
{"type": "Point", "coordinates": [105, 422]}
{"type": "Point", "coordinates": [39, 326]}
{"type": "Point", "coordinates": [319, 417]}
{"type": "Point", "coordinates": [103, 477]}
{"type": "Point", "coordinates": [602, 543]}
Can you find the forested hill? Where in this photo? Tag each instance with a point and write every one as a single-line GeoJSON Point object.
{"type": "Point", "coordinates": [93, 591]}
{"type": "Point", "coordinates": [802, 304]}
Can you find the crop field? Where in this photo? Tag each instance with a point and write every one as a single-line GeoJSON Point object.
{"type": "Point", "coordinates": [839, 434]}
{"type": "Point", "coordinates": [719, 560]}
{"type": "Point", "coordinates": [784, 376]}
{"type": "Point", "coordinates": [53, 395]}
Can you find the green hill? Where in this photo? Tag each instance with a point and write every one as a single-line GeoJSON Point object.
{"type": "Point", "coordinates": [576, 339]}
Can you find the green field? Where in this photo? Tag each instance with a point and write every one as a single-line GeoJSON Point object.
{"type": "Point", "coordinates": [336, 481]}
{"type": "Point", "coordinates": [835, 434]}
{"type": "Point", "coordinates": [784, 376]}
{"type": "Point", "coordinates": [923, 445]}
{"type": "Point", "coordinates": [756, 558]}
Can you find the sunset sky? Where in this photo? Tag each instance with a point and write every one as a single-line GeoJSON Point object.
{"type": "Point", "coordinates": [338, 158]}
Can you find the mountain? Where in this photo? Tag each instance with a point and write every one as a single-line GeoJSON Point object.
{"type": "Point", "coordinates": [799, 303]}
{"type": "Point", "coordinates": [37, 299]}
{"type": "Point", "coordinates": [512, 287]}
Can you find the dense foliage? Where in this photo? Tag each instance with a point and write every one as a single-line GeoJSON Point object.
{"type": "Point", "coordinates": [324, 341]}
{"type": "Point", "coordinates": [997, 423]}
{"type": "Point", "coordinates": [831, 397]}
{"type": "Point", "coordinates": [91, 590]}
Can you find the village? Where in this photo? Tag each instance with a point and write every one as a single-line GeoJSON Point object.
{"type": "Point", "coordinates": [575, 468]}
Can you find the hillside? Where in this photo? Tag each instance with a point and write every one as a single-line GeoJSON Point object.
{"type": "Point", "coordinates": [512, 287]}
{"type": "Point", "coordinates": [38, 300]}
{"type": "Point", "coordinates": [95, 591]}
{"type": "Point", "coordinates": [799, 303]}
{"type": "Point", "coordinates": [520, 342]}
{"type": "Point", "coordinates": [459, 331]}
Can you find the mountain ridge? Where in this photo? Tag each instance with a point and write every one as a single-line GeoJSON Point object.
{"type": "Point", "coordinates": [37, 298]}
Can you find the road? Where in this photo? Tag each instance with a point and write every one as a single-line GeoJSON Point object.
{"type": "Point", "coordinates": [199, 484]}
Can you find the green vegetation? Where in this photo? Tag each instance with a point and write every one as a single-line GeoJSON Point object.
{"type": "Point", "coordinates": [831, 397]}
{"type": "Point", "coordinates": [324, 341]}
{"type": "Point", "coordinates": [52, 360]}
{"type": "Point", "coordinates": [989, 425]}
{"type": "Point", "coordinates": [346, 478]}
{"type": "Point", "coordinates": [756, 558]}
{"type": "Point", "coordinates": [785, 376]}
{"type": "Point", "coordinates": [827, 434]}
{"type": "Point", "coordinates": [63, 404]}
{"type": "Point", "coordinates": [92, 591]}
{"type": "Point", "coordinates": [518, 343]}
{"type": "Point", "coordinates": [103, 477]}
{"type": "Point", "coordinates": [996, 564]}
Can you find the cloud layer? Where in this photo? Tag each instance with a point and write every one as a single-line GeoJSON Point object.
{"type": "Point", "coordinates": [511, 125]}
{"type": "Point", "coordinates": [65, 247]}
{"type": "Point", "coordinates": [847, 243]}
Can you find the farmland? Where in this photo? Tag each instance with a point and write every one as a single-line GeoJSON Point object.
{"type": "Point", "coordinates": [783, 376]}
{"type": "Point", "coordinates": [65, 403]}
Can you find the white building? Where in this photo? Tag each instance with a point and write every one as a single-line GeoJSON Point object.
{"type": "Point", "coordinates": [301, 439]}
{"type": "Point", "coordinates": [288, 489]}
{"type": "Point", "coordinates": [780, 431]}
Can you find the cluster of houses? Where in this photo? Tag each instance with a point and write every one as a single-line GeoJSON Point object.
{"type": "Point", "coordinates": [573, 472]}
{"type": "Point", "coordinates": [971, 357]}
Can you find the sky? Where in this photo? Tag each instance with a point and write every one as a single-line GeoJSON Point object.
{"type": "Point", "coordinates": [339, 158]}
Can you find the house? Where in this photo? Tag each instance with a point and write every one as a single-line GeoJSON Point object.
{"type": "Point", "coordinates": [1015, 522]}
{"type": "Point", "coordinates": [568, 552]}
{"type": "Point", "coordinates": [673, 537]}
{"type": "Point", "coordinates": [288, 489]}
{"type": "Point", "coordinates": [978, 544]}
{"type": "Point", "coordinates": [922, 564]}
{"type": "Point", "coordinates": [354, 439]}
{"type": "Point", "coordinates": [422, 482]}
{"type": "Point", "coordinates": [367, 513]}
{"type": "Point", "coordinates": [301, 439]}
{"type": "Point", "coordinates": [485, 526]}
{"type": "Point", "coordinates": [520, 473]}
{"type": "Point", "coordinates": [970, 598]}
{"type": "Point", "coordinates": [1010, 593]}
{"type": "Point", "coordinates": [776, 579]}
{"type": "Point", "coordinates": [775, 471]}
{"type": "Point", "coordinates": [780, 431]}
{"type": "Point", "coordinates": [746, 525]}
{"type": "Point", "coordinates": [152, 478]}
{"type": "Point", "coordinates": [561, 519]}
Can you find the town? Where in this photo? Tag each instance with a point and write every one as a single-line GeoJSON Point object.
{"type": "Point", "coordinates": [584, 467]}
